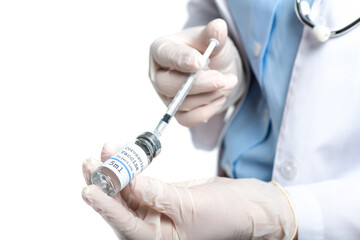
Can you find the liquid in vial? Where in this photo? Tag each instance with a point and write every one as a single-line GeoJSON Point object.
{"type": "Point", "coordinates": [118, 171]}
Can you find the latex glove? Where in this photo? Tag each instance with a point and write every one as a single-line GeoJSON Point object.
{"type": "Point", "coordinates": [215, 208]}
{"type": "Point", "coordinates": [173, 57]}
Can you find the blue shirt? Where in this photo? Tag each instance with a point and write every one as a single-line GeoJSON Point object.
{"type": "Point", "coordinates": [270, 33]}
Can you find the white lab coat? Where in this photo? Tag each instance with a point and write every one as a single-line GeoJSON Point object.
{"type": "Point", "coordinates": [317, 158]}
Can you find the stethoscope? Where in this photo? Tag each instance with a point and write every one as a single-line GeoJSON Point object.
{"type": "Point", "coordinates": [321, 32]}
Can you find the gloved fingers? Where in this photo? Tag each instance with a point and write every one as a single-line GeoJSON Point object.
{"type": "Point", "coordinates": [88, 166]}
{"type": "Point", "coordinates": [199, 40]}
{"type": "Point", "coordinates": [168, 83]}
{"type": "Point", "coordinates": [126, 197]}
{"type": "Point", "coordinates": [194, 182]}
{"type": "Point", "coordinates": [163, 197]}
{"type": "Point", "coordinates": [194, 101]}
{"type": "Point", "coordinates": [108, 150]}
{"type": "Point", "coordinates": [226, 60]}
{"type": "Point", "coordinates": [132, 202]}
{"type": "Point", "coordinates": [201, 114]}
{"type": "Point", "coordinates": [175, 53]}
{"type": "Point", "coordinates": [183, 52]}
{"type": "Point", "coordinates": [215, 29]}
{"type": "Point", "coordinates": [125, 223]}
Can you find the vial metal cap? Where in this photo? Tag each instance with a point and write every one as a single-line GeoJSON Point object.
{"type": "Point", "coordinates": [152, 142]}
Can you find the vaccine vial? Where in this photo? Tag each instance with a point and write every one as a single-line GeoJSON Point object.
{"type": "Point", "coordinates": [118, 171]}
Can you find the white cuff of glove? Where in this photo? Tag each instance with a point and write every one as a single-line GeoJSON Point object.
{"type": "Point", "coordinates": [284, 192]}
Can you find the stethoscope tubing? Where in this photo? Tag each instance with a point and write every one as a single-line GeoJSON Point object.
{"type": "Point", "coordinates": [306, 20]}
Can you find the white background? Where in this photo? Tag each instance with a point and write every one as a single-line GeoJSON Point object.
{"type": "Point", "coordinates": [73, 75]}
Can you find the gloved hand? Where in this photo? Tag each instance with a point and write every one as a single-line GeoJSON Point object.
{"type": "Point", "coordinates": [173, 57]}
{"type": "Point", "coordinates": [215, 208]}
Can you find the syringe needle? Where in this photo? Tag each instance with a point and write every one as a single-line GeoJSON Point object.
{"type": "Point", "coordinates": [184, 90]}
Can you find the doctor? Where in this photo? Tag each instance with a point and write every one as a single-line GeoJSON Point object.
{"type": "Point", "coordinates": [284, 109]}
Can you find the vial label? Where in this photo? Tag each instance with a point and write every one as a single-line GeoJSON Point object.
{"type": "Point", "coordinates": [127, 163]}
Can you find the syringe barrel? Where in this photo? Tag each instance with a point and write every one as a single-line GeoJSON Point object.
{"type": "Point", "coordinates": [181, 94]}
{"type": "Point", "coordinates": [189, 82]}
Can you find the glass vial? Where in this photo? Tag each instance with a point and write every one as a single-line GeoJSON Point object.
{"type": "Point", "coordinates": [118, 171]}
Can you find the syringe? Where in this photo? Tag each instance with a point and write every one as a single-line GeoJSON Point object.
{"type": "Point", "coordinates": [184, 90]}
{"type": "Point", "coordinates": [118, 171]}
